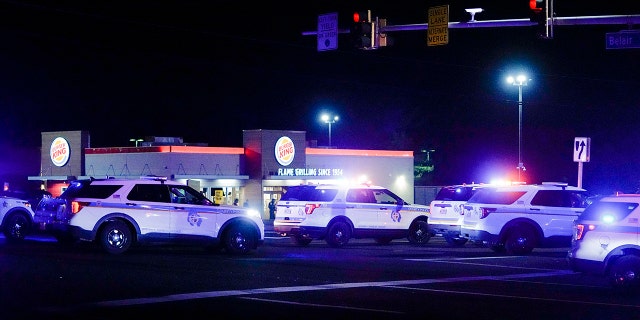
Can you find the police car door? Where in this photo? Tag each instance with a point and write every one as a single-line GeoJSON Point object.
{"type": "Point", "coordinates": [189, 215]}
{"type": "Point", "coordinates": [390, 215]}
{"type": "Point", "coordinates": [362, 209]}
{"type": "Point", "coordinates": [151, 208]}
{"type": "Point", "coordinates": [555, 210]}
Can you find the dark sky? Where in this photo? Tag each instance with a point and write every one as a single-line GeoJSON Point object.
{"type": "Point", "coordinates": [206, 70]}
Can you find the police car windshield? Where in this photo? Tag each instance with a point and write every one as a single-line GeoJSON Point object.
{"type": "Point", "coordinates": [308, 193]}
{"type": "Point", "coordinates": [455, 193]}
{"type": "Point", "coordinates": [603, 210]}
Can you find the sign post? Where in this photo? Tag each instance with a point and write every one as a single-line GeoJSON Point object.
{"type": "Point", "coordinates": [581, 154]}
{"type": "Point", "coordinates": [328, 31]}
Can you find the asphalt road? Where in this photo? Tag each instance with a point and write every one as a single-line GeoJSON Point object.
{"type": "Point", "coordinates": [42, 279]}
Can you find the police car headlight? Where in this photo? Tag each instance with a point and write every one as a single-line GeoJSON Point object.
{"type": "Point", "coordinates": [253, 213]}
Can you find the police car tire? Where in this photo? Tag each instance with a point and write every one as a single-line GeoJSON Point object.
{"type": "Point", "coordinates": [16, 226]}
{"type": "Point", "coordinates": [115, 237]}
{"type": "Point", "coordinates": [339, 234]}
{"type": "Point", "coordinates": [419, 233]}
{"type": "Point", "coordinates": [520, 240]}
{"type": "Point", "coordinates": [624, 273]}
{"type": "Point", "coordinates": [239, 239]}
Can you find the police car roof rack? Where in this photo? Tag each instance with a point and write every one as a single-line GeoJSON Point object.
{"type": "Point", "coordinates": [154, 178]}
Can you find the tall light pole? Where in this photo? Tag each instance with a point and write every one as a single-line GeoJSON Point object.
{"type": "Point", "coordinates": [329, 120]}
{"type": "Point", "coordinates": [520, 81]}
{"type": "Point", "coordinates": [136, 141]}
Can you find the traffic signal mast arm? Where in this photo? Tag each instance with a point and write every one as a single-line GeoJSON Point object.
{"type": "Point", "coordinates": [556, 21]}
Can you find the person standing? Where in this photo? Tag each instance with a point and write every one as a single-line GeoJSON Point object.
{"type": "Point", "coordinates": [272, 209]}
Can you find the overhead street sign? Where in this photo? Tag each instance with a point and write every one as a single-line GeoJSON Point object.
{"type": "Point", "coordinates": [328, 31]}
{"type": "Point", "coordinates": [623, 40]}
{"type": "Point", "coordinates": [582, 149]}
{"type": "Point", "coordinates": [438, 26]}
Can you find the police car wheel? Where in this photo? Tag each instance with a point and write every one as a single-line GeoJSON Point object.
{"type": "Point", "coordinates": [115, 237]}
{"type": "Point", "coordinates": [419, 232]}
{"type": "Point", "coordinates": [339, 234]}
{"type": "Point", "coordinates": [624, 274]}
{"type": "Point", "coordinates": [520, 241]}
{"type": "Point", "coordinates": [239, 240]}
{"type": "Point", "coordinates": [16, 227]}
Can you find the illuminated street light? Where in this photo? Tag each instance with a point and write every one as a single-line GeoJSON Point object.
{"type": "Point", "coordinates": [327, 119]}
{"type": "Point", "coordinates": [136, 141]}
{"type": "Point", "coordinates": [520, 81]}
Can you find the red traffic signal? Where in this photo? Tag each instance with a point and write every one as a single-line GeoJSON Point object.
{"type": "Point", "coordinates": [536, 5]}
{"type": "Point", "coordinates": [362, 16]}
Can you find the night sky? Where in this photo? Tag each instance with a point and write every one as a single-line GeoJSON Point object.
{"type": "Point", "coordinates": [206, 70]}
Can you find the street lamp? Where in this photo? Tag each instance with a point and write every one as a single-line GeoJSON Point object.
{"type": "Point", "coordinates": [327, 119]}
{"type": "Point", "coordinates": [136, 141]}
{"type": "Point", "coordinates": [519, 80]}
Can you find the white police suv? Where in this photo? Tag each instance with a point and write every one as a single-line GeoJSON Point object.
{"type": "Point", "coordinates": [517, 218]}
{"type": "Point", "coordinates": [118, 213]}
{"type": "Point", "coordinates": [16, 217]}
{"type": "Point", "coordinates": [338, 213]}
{"type": "Point", "coordinates": [447, 212]}
{"type": "Point", "coordinates": [606, 241]}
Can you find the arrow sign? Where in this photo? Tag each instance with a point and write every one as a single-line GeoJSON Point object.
{"type": "Point", "coordinates": [580, 145]}
{"type": "Point", "coordinates": [581, 150]}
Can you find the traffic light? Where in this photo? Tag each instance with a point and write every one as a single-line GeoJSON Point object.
{"type": "Point", "coordinates": [540, 14]}
{"type": "Point", "coordinates": [362, 30]}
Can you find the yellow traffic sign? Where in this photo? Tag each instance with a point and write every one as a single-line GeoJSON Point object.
{"type": "Point", "coordinates": [438, 26]}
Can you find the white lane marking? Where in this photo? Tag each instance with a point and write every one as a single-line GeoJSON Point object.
{"type": "Point", "coordinates": [230, 293]}
{"type": "Point", "coordinates": [458, 261]}
{"type": "Point", "coordinates": [321, 305]}
{"type": "Point", "coordinates": [523, 298]}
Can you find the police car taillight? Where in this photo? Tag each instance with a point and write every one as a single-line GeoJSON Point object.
{"type": "Point", "coordinates": [76, 206]}
{"type": "Point", "coordinates": [308, 208]}
{"type": "Point", "coordinates": [581, 230]}
{"type": "Point", "coordinates": [484, 212]}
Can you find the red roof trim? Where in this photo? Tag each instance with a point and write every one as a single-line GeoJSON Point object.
{"type": "Point", "coordinates": [173, 149]}
{"type": "Point", "coordinates": [364, 153]}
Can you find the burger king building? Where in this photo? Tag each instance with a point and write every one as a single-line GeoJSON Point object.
{"type": "Point", "coordinates": [268, 162]}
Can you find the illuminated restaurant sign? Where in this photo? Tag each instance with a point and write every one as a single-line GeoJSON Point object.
{"type": "Point", "coordinates": [309, 172]}
{"type": "Point", "coordinates": [59, 151]}
{"type": "Point", "coordinates": [285, 151]}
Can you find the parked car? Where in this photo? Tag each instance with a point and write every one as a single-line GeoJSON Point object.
{"type": "Point", "coordinates": [33, 196]}
{"type": "Point", "coordinates": [518, 218]}
{"type": "Point", "coordinates": [118, 213]}
{"type": "Point", "coordinates": [16, 218]}
{"type": "Point", "coordinates": [447, 212]}
{"type": "Point", "coordinates": [336, 214]}
{"type": "Point", "coordinates": [606, 241]}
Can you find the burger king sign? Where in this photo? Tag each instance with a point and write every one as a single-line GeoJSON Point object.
{"type": "Point", "coordinates": [59, 152]}
{"type": "Point", "coordinates": [285, 151]}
